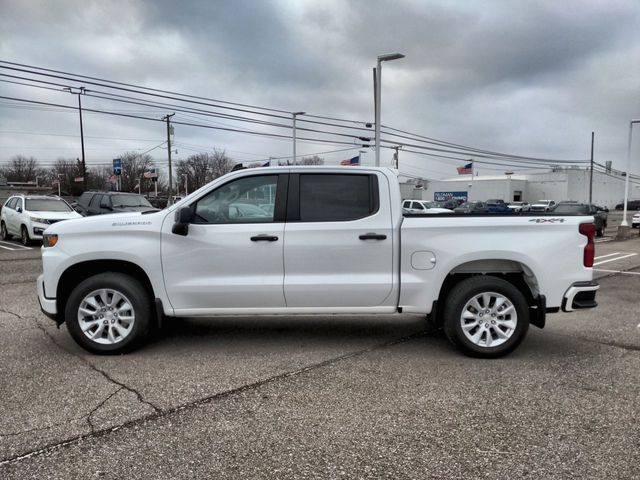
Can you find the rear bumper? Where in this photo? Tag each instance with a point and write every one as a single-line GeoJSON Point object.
{"type": "Point", "coordinates": [580, 295]}
{"type": "Point", "coordinates": [47, 305]}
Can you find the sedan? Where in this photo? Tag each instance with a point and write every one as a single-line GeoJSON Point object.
{"type": "Point", "coordinates": [635, 222]}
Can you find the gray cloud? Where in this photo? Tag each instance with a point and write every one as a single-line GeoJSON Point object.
{"type": "Point", "coordinates": [524, 77]}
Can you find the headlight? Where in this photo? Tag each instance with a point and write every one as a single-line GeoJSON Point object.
{"type": "Point", "coordinates": [39, 220]}
{"type": "Point", "coordinates": [49, 240]}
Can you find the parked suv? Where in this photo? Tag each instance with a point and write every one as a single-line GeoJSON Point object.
{"type": "Point", "coordinates": [98, 203]}
{"type": "Point", "coordinates": [27, 216]}
{"type": "Point", "coordinates": [543, 206]}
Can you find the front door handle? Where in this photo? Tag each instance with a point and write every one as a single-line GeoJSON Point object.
{"type": "Point", "coordinates": [264, 238]}
{"type": "Point", "coordinates": [372, 236]}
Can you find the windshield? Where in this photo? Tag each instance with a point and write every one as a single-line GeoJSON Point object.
{"type": "Point", "coordinates": [47, 205]}
{"type": "Point", "coordinates": [130, 201]}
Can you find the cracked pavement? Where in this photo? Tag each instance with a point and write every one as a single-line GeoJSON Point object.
{"type": "Point", "coordinates": [320, 397]}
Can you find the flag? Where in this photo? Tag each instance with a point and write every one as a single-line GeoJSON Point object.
{"type": "Point", "coordinates": [150, 174]}
{"type": "Point", "coordinates": [466, 170]}
{"type": "Point", "coordinates": [351, 161]}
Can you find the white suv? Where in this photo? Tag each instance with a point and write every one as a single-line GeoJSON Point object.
{"type": "Point", "coordinates": [27, 216]}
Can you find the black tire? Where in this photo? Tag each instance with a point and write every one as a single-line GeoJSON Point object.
{"type": "Point", "coordinates": [4, 232]}
{"type": "Point", "coordinates": [141, 309]}
{"type": "Point", "coordinates": [24, 236]}
{"type": "Point", "coordinates": [463, 293]}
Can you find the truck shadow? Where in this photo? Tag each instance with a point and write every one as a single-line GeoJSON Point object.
{"type": "Point", "coordinates": [283, 330]}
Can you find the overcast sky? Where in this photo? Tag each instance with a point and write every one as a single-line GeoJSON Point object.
{"type": "Point", "coordinates": [530, 78]}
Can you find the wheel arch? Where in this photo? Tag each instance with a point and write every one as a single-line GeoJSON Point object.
{"type": "Point", "coordinates": [515, 272]}
{"type": "Point", "coordinates": [78, 272]}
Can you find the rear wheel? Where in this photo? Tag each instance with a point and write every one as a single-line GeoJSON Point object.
{"type": "Point", "coordinates": [24, 236]}
{"type": "Point", "coordinates": [3, 232]}
{"type": "Point", "coordinates": [486, 316]}
{"type": "Point", "coordinates": [108, 313]}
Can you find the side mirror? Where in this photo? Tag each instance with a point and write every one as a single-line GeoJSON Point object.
{"type": "Point", "coordinates": [183, 218]}
{"type": "Point", "coordinates": [19, 209]}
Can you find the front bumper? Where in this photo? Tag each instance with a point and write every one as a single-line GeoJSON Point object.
{"type": "Point", "coordinates": [47, 305]}
{"type": "Point", "coordinates": [580, 295]}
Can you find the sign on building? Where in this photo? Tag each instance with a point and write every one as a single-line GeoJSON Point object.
{"type": "Point", "coordinates": [444, 196]}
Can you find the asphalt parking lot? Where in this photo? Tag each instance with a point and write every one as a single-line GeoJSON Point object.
{"type": "Point", "coordinates": [323, 397]}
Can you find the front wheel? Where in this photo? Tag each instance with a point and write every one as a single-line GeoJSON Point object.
{"type": "Point", "coordinates": [108, 313]}
{"type": "Point", "coordinates": [24, 236]}
{"type": "Point", "coordinates": [4, 233]}
{"type": "Point", "coordinates": [486, 316]}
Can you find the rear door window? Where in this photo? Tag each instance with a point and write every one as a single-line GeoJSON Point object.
{"type": "Point", "coordinates": [95, 202]}
{"type": "Point", "coordinates": [337, 197]}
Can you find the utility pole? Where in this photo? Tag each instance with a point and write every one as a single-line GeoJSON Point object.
{"type": "Point", "coordinates": [591, 173]}
{"type": "Point", "coordinates": [168, 120]}
{"type": "Point", "coordinates": [84, 165]}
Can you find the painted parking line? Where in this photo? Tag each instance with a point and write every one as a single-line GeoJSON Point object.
{"type": "Point", "coordinates": [607, 255]}
{"type": "Point", "coordinates": [13, 246]}
{"type": "Point", "coordinates": [614, 259]}
{"type": "Point", "coordinates": [616, 271]}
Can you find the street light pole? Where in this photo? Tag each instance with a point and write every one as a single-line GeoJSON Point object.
{"type": "Point", "coordinates": [378, 96]}
{"type": "Point", "coordinates": [626, 178]}
{"type": "Point", "coordinates": [294, 115]}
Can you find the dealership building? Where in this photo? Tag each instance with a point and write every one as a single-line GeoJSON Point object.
{"type": "Point", "coordinates": [557, 184]}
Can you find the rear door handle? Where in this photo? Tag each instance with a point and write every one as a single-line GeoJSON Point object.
{"type": "Point", "coordinates": [372, 236]}
{"type": "Point", "coordinates": [264, 238]}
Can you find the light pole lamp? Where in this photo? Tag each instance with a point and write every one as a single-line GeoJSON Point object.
{"type": "Point", "coordinates": [294, 115]}
{"type": "Point", "coordinates": [378, 96]}
{"type": "Point", "coordinates": [626, 178]}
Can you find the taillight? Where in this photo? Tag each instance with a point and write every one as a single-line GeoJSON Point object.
{"type": "Point", "coordinates": [588, 230]}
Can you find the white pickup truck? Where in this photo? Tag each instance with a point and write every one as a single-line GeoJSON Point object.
{"type": "Point", "coordinates": [313, 240]}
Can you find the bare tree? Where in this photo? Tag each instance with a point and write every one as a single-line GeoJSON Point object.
{"type": "Point", "coordinates": [196, 169]}
{"type": "Point", "coordinates": [99, 178]}
{"type": "Point", "coordinates": [133, 167]}
{"type": "Point", "coordinates": [22, 169]}
{"type": "Point", "coordinates": [65, 171]}
{"type": "Point", "coordinates": [220, 164]}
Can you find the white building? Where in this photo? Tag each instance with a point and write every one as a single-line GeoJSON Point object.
{"type": "Point", "coordinates": [558, 184]}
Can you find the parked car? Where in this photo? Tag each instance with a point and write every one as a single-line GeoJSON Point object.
{"type": "Point", "coordinates": [495, 200]}
{"type": "Point", "coordinates": [336, 244]}
{"type": "Point", "coordinates": [635, 221]}
{"type": "Point", "coordinates": [99, 203]}
{"type": "Point", "coordinates": [28, 216]}
{"type": "Point", "coordinates": [543, 206]}
{"type": "Point", "coordinates": [450, 204]}
{"type": "Point", "coordinates": [472, 207]}
{"type": "Point", "coordinates": [497, 207]}
{"type": "Point", "coordinates": [631, 205]}
{"type": "Point", "coordinates": [599, 216]}
{"type": "Point", "coordinates": [423, 206]}
{"type": "Point", "coordinates": [519, 207]}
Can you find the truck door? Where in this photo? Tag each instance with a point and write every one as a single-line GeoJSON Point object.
{"type": "Point", "coordinates": [338, 248]}
{"type": "Point", "coordinates": [232, 254]}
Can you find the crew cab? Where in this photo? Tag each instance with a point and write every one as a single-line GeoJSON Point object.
{"type": "Point", "coordinates": [335, 242]}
